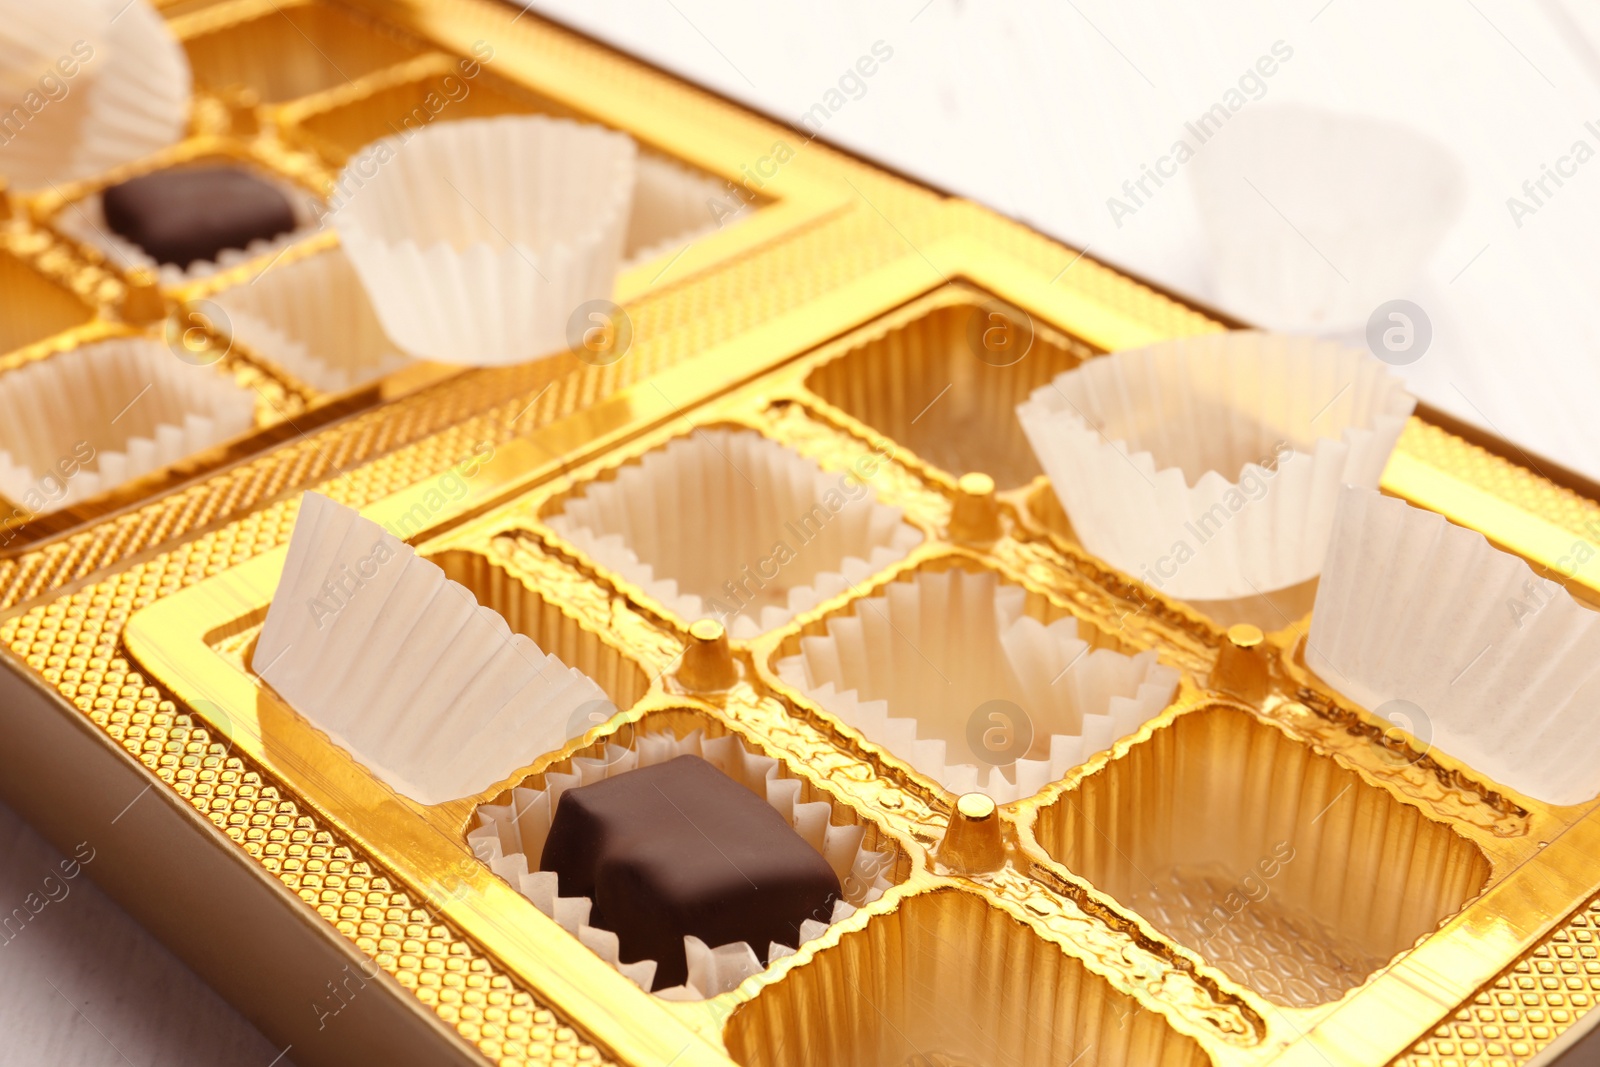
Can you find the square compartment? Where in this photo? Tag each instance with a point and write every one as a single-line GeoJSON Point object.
{"type": "Point", "coordinates": [930, 384]}
{"type": "Point", "coordinates": [1043, 512]}
{"type": "Point", "coordinates": [991, 708]}
{"type": "Point", "coordinates": [427, 90]}
{"type": "Point", "coordinates": [32, 307]}
{"type": "Point", "coordinates": [309, 317]}
{"type": "Point", "coordinates": [556, 632]}
{"type": "Point", "coordinates": [769, 533]}
{"type": "Point", "coordinates": [294, 50]}
{"type": "Point", "coordinates": [82, 217]}
{"type": "Point", "coordinates": [670, 197]}
{"type": "Point", "coordinates": [83, 422]}
{"type": "Point", "coordinates": [1285, 870]}
{"type": "Point", "coordinates": [896, 864]}
{"type": "Point", "coordinates": [948, 980]}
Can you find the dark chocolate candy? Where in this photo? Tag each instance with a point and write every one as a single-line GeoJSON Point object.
{"type": "Point", "coordinates": [680, 848]}
{"type": "Point", "coordinates": [188, 214]}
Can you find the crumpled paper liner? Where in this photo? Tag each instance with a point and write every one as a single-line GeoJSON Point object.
{"type": "Point", "coordinates": [85, 221]}
{"type": "Point", "coordinates": [400, 666]}
{"type": "Point", "coordinates": [1369, 201]}
{"type": "Point", "coordinates": [1502, 665]}
{"type": "Point", "coordinates": [477, 240]}
{"type": "Point", "coordinates": [312, 318]}
{"type": "Point", "coordinates": [697, 524]}
{"type": "Point", "coordinates": [672, 209]}
{"type": "Point", "coordinates": [128, 399]}
{"type": "Point", "coordinates": [128, 99]}
{"type": "Point", "coordinates": [508, 834]}
{"type": "Point", "coordinates": [912, 667]}
{"type": "Point", "coordinates": [1209, 466]}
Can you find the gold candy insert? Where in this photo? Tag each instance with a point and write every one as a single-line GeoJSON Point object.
{"type": "Point", "coordinates": [948, 980]}
{"type": "Point", "coordinates": [291, 50]}
{"type": "Point", "coordinates": [1287, 871]}
{"type": "Point", "coordinates": [947, 383]}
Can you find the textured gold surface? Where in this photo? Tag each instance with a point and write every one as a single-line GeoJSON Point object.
{"type": "Point", "coordinates": [845, 271]}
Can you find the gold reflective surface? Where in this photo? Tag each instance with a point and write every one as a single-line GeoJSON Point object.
{"type": "Point", "coordinates": [1261, 874]}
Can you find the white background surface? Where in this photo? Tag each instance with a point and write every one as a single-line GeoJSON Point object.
{"type": "Point", "coordinates": [1040, 110]}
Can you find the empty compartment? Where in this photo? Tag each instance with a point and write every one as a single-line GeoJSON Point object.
{"type": "Point", "coordinates": [1281, 868]}
{"type": "Point", "coordinates": [32, 307]}
{"type": "Point", "coordinates": [435, 89]}
{"type": "Point", "coordinates": [975, 681]}
{"type": "Point", "coordinates": [935, 385]}
{"type": "Point", "coordinates": [950, 981]}
{"type": "Point", "coordinates": [556, 632]}
{"type": "Point", "coordinates": [294, 50]}
{"type": "Point", "coordinates": [725, 523]}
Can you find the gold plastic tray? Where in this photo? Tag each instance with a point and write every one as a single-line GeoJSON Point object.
{"type": "Point", "coordinates": [291, 90]}
{"type": "Point", "coordinates": [1262, 873]}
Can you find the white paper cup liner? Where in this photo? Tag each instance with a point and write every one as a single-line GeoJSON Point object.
{"type": "Point", "coordinates": [312, 318]}
{"type": "Point", "coordinates": [1461, 645]}
{"type": "Point", "coordinates": [431, 692]}
{"type": "Point", "coordinates": [941, 658]}
{"type": "Point", "coordinates": [85, 221]}
{"type": "Point", "coordinates": [507, 835]}
{"type": "Point", "coordinates": [128, 95]}
{"type": "Point", "coordinates": [477, 240]}
{"type": "Point", "coordinates": [731, 525]}
{"type": "Point", "coordinates": [1316, 218]}
{"type": "Point", "coordinates": [1209, 467]}
{"type": "Point", "coordinates": [120, 408]}
{"type": "Point", "coordinates": [672, 206]}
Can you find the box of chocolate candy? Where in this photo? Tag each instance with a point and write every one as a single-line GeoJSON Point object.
{"type": "Point", "coordinates": [529, 562]}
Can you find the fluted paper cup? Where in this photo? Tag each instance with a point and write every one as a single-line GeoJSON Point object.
{"type": "Point", "coordinates": [477, 240]}
{"type": "Point", "coordinates": [82, 422]}
{"type": "Point", "coordinates": [1317, 218]}
{"type": "Point", "coordinates": [430, 691]}
{"type": "Point", "coordinates": [312, 318]}
{"type": "Point", "coordinates": [101, 83]}
{"type": "Point", "coordinates": [731, 525]}
{"type": "Point", "coordinates": [510, 838]}
{"type": "Point", "coordinates": [1461, 644]}
{"type": "Point", "coordinates": [938, 662]}
{"type": "Point", "coordinates": [1209, 467]}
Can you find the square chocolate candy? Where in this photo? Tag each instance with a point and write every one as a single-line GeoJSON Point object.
{"type": "Point", "coordinates": [679, 848]}
{"type": "Point", "coordinates": [189, 214]}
